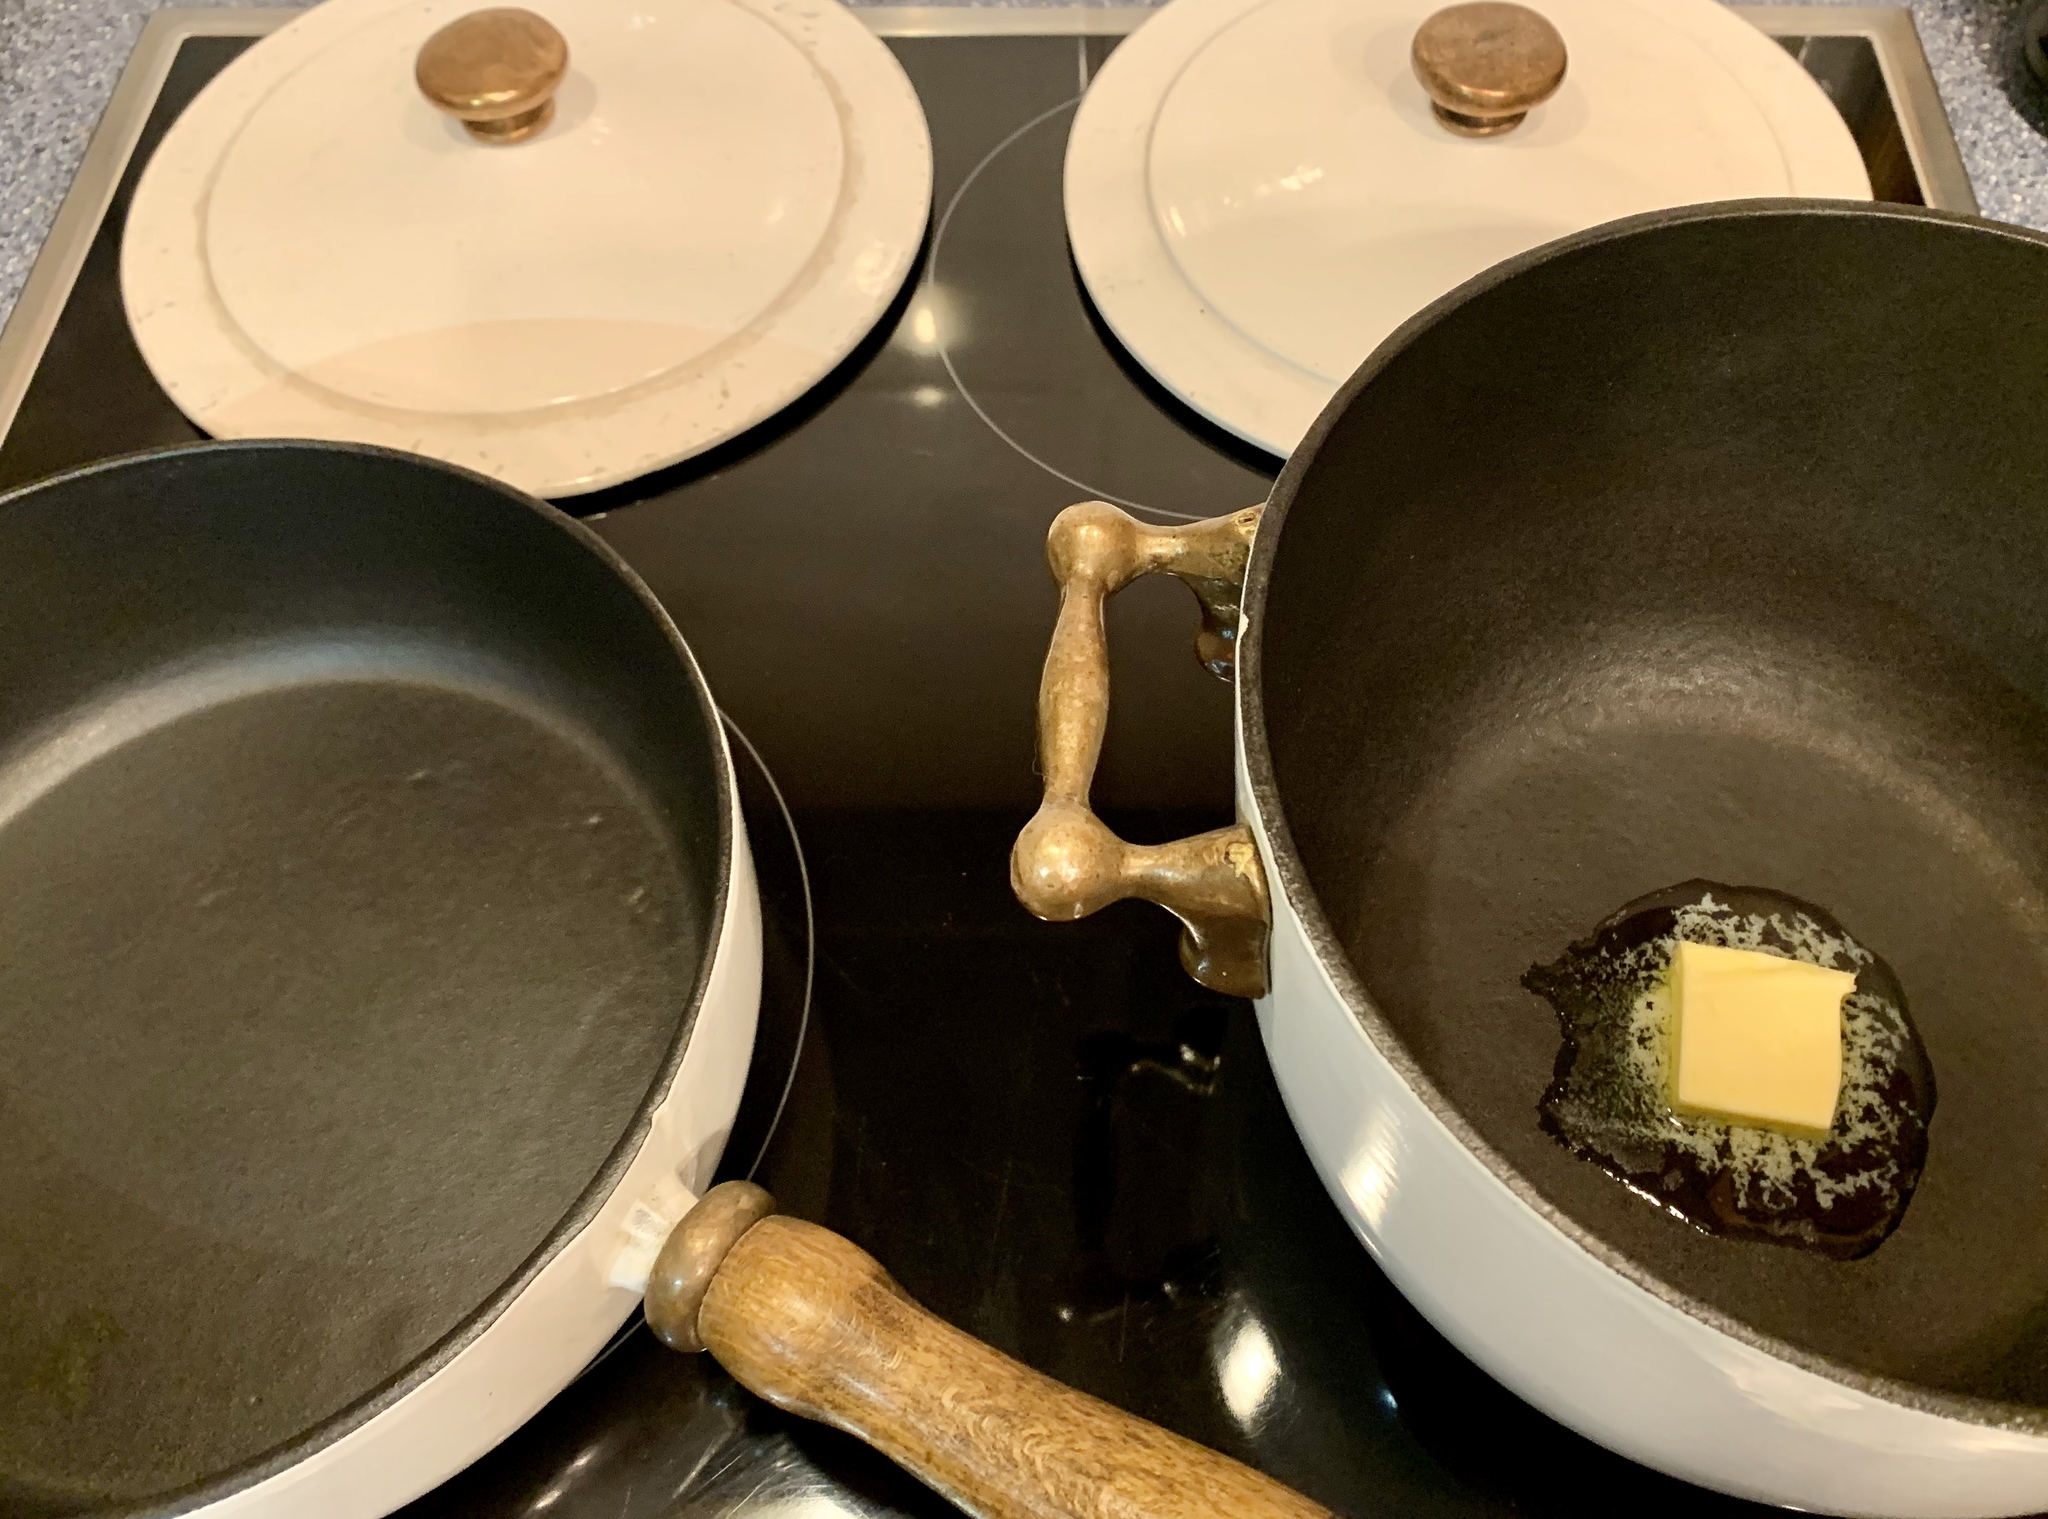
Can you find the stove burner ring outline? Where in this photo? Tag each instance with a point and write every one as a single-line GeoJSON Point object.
{"type": "Point", "coordinates": [945, 352]}
{"type": "Point", "coordinates": [638, 1321]}
{"type": "Point", "coordinates": [803, 871]}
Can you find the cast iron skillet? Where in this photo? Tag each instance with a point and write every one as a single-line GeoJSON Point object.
{"type": "Point", "coordinates": [1715, 550]}
{"type": "Point", "coordinates": [363, 836]}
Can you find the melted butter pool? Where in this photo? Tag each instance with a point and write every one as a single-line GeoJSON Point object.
{"type": "Point", "coordinates": [1840, 1196]}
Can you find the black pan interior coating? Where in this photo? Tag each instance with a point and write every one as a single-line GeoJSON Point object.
{"type": "Point", "coordinates": [1717, 548]}
{"type": "Point", "coordinates": [361, 838]}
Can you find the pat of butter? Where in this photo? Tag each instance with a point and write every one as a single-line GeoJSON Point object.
{"type": "Point", "coordinates": [1756, 1038]}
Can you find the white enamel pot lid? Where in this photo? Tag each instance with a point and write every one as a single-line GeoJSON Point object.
{"type": "Point", "coordinates": [729, 195]}
{"type": "Point", "coordinates": [1257, 192]}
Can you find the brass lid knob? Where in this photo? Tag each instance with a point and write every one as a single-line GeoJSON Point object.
{"type": "Point", "coordinates": [495, 71]}
{"type": "Point", "coordinates": [1486, 64]}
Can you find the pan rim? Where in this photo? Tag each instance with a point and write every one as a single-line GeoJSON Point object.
{"type": "Point", "coordinates": [605, 1180]}
{"type": "Point", "coordinates": [1262, 782]}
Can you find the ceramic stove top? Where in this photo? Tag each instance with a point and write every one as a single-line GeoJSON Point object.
{"type": "Point", "coordinates": [1047, 1134]}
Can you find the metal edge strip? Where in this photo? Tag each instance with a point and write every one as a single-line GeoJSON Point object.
{"type": "Point", "coordinates": [1004, 20]}
{"type": "Point", "coordinates": [78, 218]}
{"type": "Point", "coordinates": [1930, 140]}
{"type": "Point", "coordinates": [1916, 101]}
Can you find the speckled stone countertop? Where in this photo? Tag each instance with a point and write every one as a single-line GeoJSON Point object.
{"type": "Point", "coordinates": [59, 60]}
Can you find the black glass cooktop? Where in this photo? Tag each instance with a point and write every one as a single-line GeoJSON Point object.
{"type": "Point", "coordinates": [1047, 1134]}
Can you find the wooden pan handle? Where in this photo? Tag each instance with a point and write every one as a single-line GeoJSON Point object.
{"type": "Point", "coordinates": [813, 1324]}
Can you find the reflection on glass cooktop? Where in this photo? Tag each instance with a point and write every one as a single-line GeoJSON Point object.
{"type": "Point", "coordinates": [1047, 1134]}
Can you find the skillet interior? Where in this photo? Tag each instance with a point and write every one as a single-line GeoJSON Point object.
{"type": "Point", "coordinates": [1716, 547]}
{"type": "Point", "coordinates": [360, 844]}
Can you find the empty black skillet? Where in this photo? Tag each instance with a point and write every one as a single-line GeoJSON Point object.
{"type": "Point", "coordinates": [367, 856]}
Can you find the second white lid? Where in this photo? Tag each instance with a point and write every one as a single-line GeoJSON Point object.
{"type": "Point", "coordinates": [1258, 192]}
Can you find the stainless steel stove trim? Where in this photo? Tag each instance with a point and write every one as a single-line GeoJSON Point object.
{"type": "Point", "coordinates": [56, 268]}
{"type": "Point", "coordinates": [1922, 120]}
{"type": "Point", "coordinates": [1004, 20]}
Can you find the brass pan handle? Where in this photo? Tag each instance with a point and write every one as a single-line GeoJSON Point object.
{"type": "Point", "coordinates": [812, 1323]}
{"type": "Point", "coordinates": [1067, 863]}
